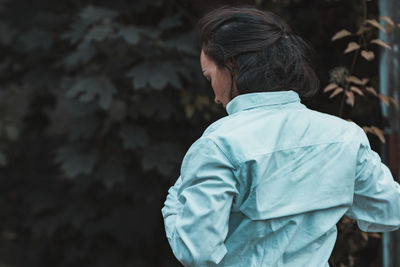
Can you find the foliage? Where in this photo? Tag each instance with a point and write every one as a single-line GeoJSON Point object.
{"type": "Point", "coordinates": [99, 101]}
{"type": "Point", "coordinates": [343, 79]}
{"type": "Point", "coordinates": [97, 94]}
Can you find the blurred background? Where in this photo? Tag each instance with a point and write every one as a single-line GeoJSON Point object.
{"type": "Point", "coordinates": [99, 101]}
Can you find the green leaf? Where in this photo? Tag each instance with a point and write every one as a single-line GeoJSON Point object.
{"type": "Point", "coordinates": [36, 39]}
{"type": "Point", "coordinates": [3, 159]}
{"type": "Point", "coordinates": [185, 69]}
{"type": "Point", "coordinates": [82, 55]}
{"type": "Point", "coordinates": [170, 22]}
{"type": "Point", "coordinates": [89, 87]}
{"type": "Point", "coordinates": [87, 17]}
{"type": "Point", "coordinates": [150, 32]}
{"type": "Point", "coordinates": [67, 116]}
{"type": "Point", "coordinates": [130, 34]}
{"type": "Point", "coordinates": [91, 14]}
{"type": "Point", "coordinates": [156, 105]}
{"type": "Point", "coordinates": [156, 75]}
{"type": "Point", "coordinates": [12, 132]}
{"type": "Point", "coordinates": [110, 173]}
{"type": "Point", "coordinates": [77, 32]}
{"type": "Point", "coordinates": [164, 158]}
{"type": "Point", "coordinates": [75, 160]}
{"type": "Point", "coordinates": [133, 137]}
{"type": "Point", "coordinates": [184, 43]}
{"type": "Point", "coordinates": [85, 127]}
{"type": "Point", "coordinates": [117, 111]}
{"type": "Point", "coordinates": [98, 33]}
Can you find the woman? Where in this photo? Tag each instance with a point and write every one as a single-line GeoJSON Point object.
{"type": "Point", "coordinates": [266, 185]}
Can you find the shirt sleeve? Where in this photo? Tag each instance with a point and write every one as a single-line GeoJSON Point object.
{"type": "Point", "coordinates": [196, 211]}
{"type": "Point", "coordinates": [376, 204]}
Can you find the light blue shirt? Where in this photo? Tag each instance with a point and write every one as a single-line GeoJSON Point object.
{"type": "Point", "coordinates": [266, 185]}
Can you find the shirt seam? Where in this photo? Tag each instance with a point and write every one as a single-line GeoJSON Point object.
{"type": "Point", "coordinates": [235, 166]}
{"type": "Point", "coordinates": [231, 161]}
{"type": "Point", "coordinates": [264, 105]}
{"type": "Point", "coordinates": [292, 147]}
{"type": "Point", "coordinates": [272, 104]}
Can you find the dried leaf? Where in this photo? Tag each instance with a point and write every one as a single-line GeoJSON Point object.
{"type": "Point", "coordinates": [354, 79]}
{"type": "Point", "coordinates": [340, 34]}
{"type": "Point", "coordinates": [371, 90]}
{"type": "Point", "coordinates": [368, 55]}
{"type": "Point", "coordinates": [376, 24]}
{"type": "Point", "coordinates": [351, 47]}
{"type": "Point", "coordinates": [336, 92]}
{"type": "Point", "coordinates": [375, 235]}
{"type": "Point", "coordinates": [381, 43]}
{"type": "Point", "coordinates": [387, 19]}
{"type": "Point", "coordinates": [384, 99]}
{"type": "Point", "coordinates": [363, 29]}
{"type": "Point", "coordinates": [356, 90]}
{"type": "Point", "coordinates": [364, 235]}
{"type": "Point", "coordinates": [366, 129]}
{"type": "Point", "coordinates": [378, 132]}
{"type": "Point", "coordinates": [391, 99]}
{"type": "Point", "coordinates": [350, 98]}
{"type": "Point", "coordinates": [330, 87]}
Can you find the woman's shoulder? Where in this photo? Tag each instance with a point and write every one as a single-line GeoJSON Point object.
{"type": "Point", "coordinates": [329, 122]}
{"type": "Point", "coordinates": [219, 126]}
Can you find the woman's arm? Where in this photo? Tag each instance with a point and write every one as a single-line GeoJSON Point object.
{"type": "Point", "coordinates": [376, 205]}
{"type": "Point", "coordinates": [198, 206]}
{"type": "Point", "coordinates": [171, 208]}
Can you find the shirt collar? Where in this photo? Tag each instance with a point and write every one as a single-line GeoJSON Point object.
{"type": "Point", "coordinates": [253, 100]}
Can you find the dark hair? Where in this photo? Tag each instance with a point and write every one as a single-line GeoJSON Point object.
{"type": "Point", "coordinates": [265, 55]}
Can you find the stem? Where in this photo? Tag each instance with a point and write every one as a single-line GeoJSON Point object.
{"type": "Point", "coordinates": [364, 10]}
{"type": "Point", "coordinates": [353, 63]}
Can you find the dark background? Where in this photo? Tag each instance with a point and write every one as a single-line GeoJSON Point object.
{"type": "Point", "coordinates": [99, 100]}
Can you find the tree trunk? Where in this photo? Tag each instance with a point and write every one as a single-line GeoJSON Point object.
{"type": "Point", "coordinates": [390, 86]}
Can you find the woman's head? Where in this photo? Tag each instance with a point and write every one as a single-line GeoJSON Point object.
{"type": "Point", "coordinates": [258, 50]}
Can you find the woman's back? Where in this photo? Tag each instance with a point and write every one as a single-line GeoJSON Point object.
{"type": "Point", "coordinates": [291, 174]}
{"type": "Point", "coordinates": [296, 171]}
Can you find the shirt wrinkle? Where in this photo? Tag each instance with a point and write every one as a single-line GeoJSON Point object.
{"type": "Point", "coordinates": [265, 186]}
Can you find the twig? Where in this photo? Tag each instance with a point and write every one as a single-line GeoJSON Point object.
{"type": "Point", "coordinates": [353, 63]}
